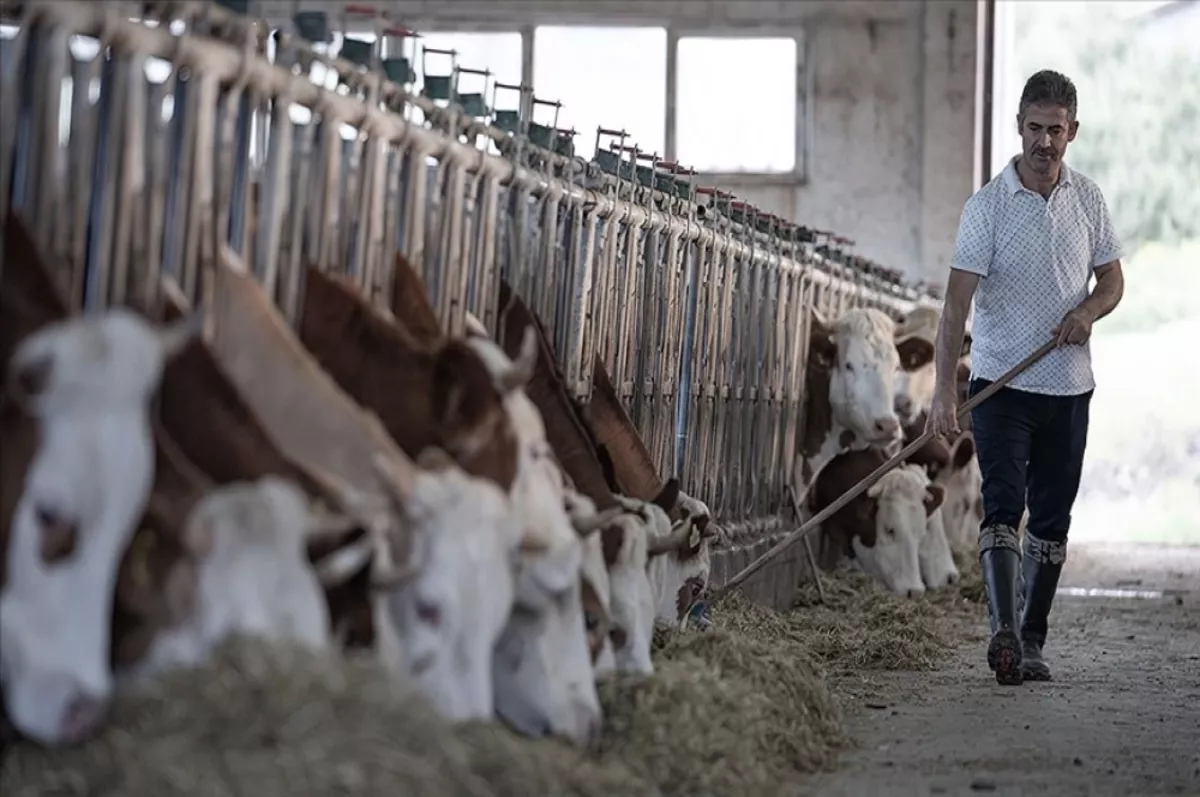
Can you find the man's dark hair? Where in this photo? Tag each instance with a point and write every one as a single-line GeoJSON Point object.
{"type": "Point", "coordinates": [1049, 88]}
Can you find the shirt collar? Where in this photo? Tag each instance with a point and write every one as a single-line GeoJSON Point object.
{"type": "Point", "coordinates": [1013, 180]}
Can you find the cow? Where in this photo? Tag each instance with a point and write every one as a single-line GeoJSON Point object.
{"type": "Point", "coordinates": [934, 556]}
{"type": "Point", "coordinates": [442, 626]}
{"type": "Point", "coordinates": [849, 388]}
{"type": "Point", "coordinates": [330, 432]}
{"type": "Point", "coordinates": [914, 386]}
{"type": "Point", "coordinates": [88, 383]}
{"type": "Point", "coordinates": [572, 433]}
{"type": "Point", "coordinates": [575, 446]}
{"type": "Point", "coordinates": [233, 559]}
{"type": "Point", "coordinates": [881, 529]}
{"type": "Point", "coordinates": [424, 395]}
{"type": "Point", "coordinates": [603, 635]}
{"type": "Point", "coordinates": [545, 682]}
{"type": "Point", "coordinates": [681, 577]}
{"type": "Point", "coordinates": [634, 544]}
{"type": "Point", "coordinates": [470, 386]}
{"type": "Point", "coordinates": [633, 471]}
{"type": "Point", "coordinates": [961, 480]}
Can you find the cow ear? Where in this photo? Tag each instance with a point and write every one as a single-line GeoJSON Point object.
{"type": "Point", "coordinates": [935, 494]}
{"type": "Point", "coordinates": [668, 496]}
{"type": "Point", "coordinates": [462, 387]}
{"type": "Point", "coordinates": [822, 346]}
{"type": "Point", "coordinates": [962, 373]}
{"type": "Point", "coordinates": [963, 450]}
{"type": "Point", "coordinates": [915, 352]}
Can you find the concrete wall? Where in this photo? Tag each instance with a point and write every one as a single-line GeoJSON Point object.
{"type": "Point", "coordinates": [893, 105]}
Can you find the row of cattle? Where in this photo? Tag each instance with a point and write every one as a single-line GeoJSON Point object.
{"type": "Point", "coordinates": [366, 482]}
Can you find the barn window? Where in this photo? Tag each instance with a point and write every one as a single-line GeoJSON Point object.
{"type": "Point", "coordinates": [735, 104]}
{"type": "Point", "coordinates": [605, 77]}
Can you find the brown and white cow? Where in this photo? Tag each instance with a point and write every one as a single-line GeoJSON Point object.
{"type": "Point", "coordinates": [222, 560]}
{"type": "Point", "coordinates": [542, 666]}
{"type": "Point", "coordinates": [680, 575]}
{"type": "Point", "coordinates": [573, 440]}
{"type": "Point", "coordinates": [962, 481]}
{"type": "Point", "coordinates": [849, 387]}
{"type": "Point", "coordinates": [88, 383]}
{"type": "Point", "coordinates": [326, 429]}
{"type": "Point", "coordinates": [881, 529]}
{"type": "Point", "coordinates": [914, 386]}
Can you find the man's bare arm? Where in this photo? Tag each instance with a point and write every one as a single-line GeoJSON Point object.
{"type": "Point", "coordinates": [960, 289]}
{"type": "Point", "coordinates": [1107, 293]}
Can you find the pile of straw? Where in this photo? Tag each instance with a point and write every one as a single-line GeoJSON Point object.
{"type": "Point", "coordinates": [726, 713]}
{"type": "Point", "coordinates": [862, 627]}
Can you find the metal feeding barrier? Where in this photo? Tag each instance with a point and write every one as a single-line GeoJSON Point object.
{"type": "Point", "coordinates": [139, 136]}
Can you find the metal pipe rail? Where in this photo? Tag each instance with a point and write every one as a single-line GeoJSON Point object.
{"type": "Point", "coordinates": [396, 97]}
{"type": "Point", "coordinates": [702, 328]}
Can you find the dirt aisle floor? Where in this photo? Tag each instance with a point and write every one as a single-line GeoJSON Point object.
{"type": "Point", "coordinates": [1122, 716]}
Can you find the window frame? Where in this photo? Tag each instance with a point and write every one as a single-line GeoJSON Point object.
{"type": "Point", "coordinates": [805, 76]}
{"type": "Point", "coordinates": [804, 92]}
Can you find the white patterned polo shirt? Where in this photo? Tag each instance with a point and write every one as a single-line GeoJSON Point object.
{"type": "Point", "coordinates": [1035, 257]}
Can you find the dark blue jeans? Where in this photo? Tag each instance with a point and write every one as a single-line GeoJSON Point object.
{"type": "Point", "coordinates": [1030, 448]}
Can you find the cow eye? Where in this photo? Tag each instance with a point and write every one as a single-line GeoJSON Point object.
{"type": "Point", "coordinates": [59, 536]}
{"type": "Point", "coordinates": [850, 366]}
{"type": "Point", "coordinates": [891, 532]}
{"type": "Point", "coordinates": [429, 613]}
{"type": "Point", "coordinates": [590, 621]}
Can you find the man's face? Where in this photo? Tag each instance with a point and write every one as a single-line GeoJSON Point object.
{"type": "Point", "coordinates": [1045, 132]}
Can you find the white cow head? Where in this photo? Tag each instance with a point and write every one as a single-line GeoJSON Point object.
{"type": "Point", "coordinates": [640, 550]}
{"type": "Point", "coordinates": [445, 588]}
{"type": "Point", "coordinates": [963, 509]}
{"type": "Point", "coordinates": [936, 559]}
{"type": "Point", "coordinates": [542, 669]}
{"type": "Point", "coordinates": [240, 566]}
{"type": "Point", "coordinates": [681, 578]}
{"type": "Point", "coordinates": [602, 634]}
{"type": "Point", "coordinates": [904, 499]}
{"type": "Point", "coordinates": [916, 337]}
{"type": "Point", "coordinates": [112, 360]}
{"type": "Point", "coordinates": [543, 672]}
{"type": "Point", "coordinates": [88, 381]}
{"type": "Point", "coordinates": [859, 349]}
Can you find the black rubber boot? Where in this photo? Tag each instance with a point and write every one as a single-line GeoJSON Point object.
{"type": "Point", "coordinates": [1000, 560]}
{"type": "Point", "coordinates": [1041, 565]}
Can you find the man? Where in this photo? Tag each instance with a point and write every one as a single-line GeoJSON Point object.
{"type": "Point", "coordinates": [1029, 243]}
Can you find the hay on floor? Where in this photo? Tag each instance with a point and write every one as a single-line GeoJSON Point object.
{"type": "Point", "coordinates": [741, 709]}
{"type": "Point", "coordinates": [725, 713]}
{"type": "Point", "coordinates": [274, 722]}
{"type": "Point", "coordinates": [863, 627]}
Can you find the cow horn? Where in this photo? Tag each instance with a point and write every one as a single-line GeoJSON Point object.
{"type": "Point", "coordinates": [672, 542]}
{"type": "Point", "coordinates": [393, 578]}
{"type": "Point", "coordinates": [474, 327]}
{"type": "Point", "coordinates": [385, 574]}
{"type": "Point", "coordinates": [521, 372]}
{"type": "Point", "coordinates": [325, 524]}
{"type": "Point", "coordinates": [590, 523]}
{"type": "Point", "coordinates": [343, 563]}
